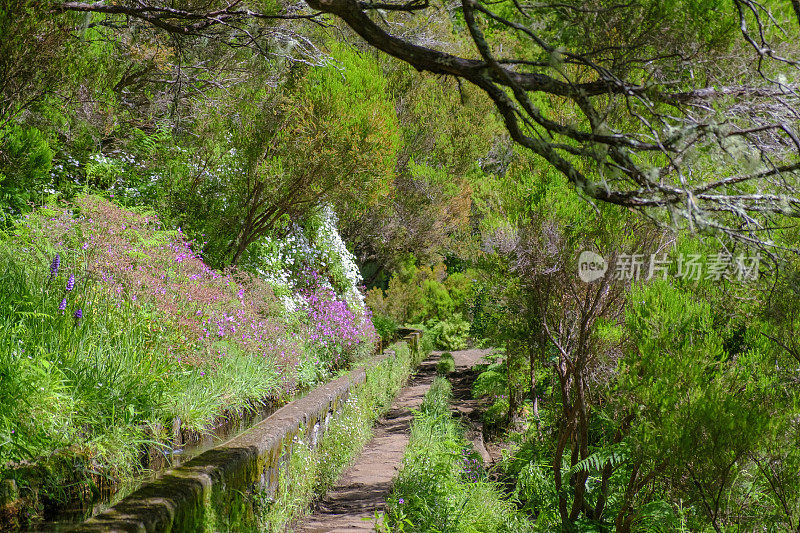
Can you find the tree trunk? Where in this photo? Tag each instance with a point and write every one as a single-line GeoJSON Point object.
{"type": "Point", "coordinates": [581, 446]}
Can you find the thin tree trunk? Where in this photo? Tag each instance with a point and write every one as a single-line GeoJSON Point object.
{"type": "Point", "coordinates": [624, 519]}
{"type": "Point", "coordinates": [558, 457]}
{"type": "Point", "coordinates": [581, 447]}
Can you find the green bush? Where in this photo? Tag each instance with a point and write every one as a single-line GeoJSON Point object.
{"type": "Point", "coordinates": [451, 334]}
{"type": "Point", "coordinates": [459, 287]}
{"type": "Point", "coordinates": [423, 294]}
{"type": "Point", "coordinates": [497, 414]}
{"type": "Point", "coordinates": [436, 301]}
{"type": "Point", "coordinates": [385, 326]}
{"type": "Point", "coordinates": [446, 364]}
{"type": "Point", "coordinates": [491, 382]}
{"type": "Point", "coordinates": [427, 344]}
{"type": "Point", "coordinates": [25, 162]}
{"type": "Point", "coordinates": [530, 466]}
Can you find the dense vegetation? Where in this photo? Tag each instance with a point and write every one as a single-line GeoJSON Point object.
{"type": "Point", "coordinates": [654, 403]}
{"type": "Point", "coordinates": [192, 194]}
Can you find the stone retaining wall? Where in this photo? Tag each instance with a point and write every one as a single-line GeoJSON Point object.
{"type": "Point", "coordinates": [186, 498]}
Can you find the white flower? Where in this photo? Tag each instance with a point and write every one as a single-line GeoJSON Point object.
{"type": "Point", "coordinates": [323, 251]}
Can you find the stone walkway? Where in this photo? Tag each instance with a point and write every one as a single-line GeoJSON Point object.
{"type": "Point", "coordinates": [362, 490]}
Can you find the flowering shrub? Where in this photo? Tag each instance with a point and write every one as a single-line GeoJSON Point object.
{"type": "Point", "coordinates": [284, 263]}
{"type": "Point", "coordinates": [340, 262]}
{"type": "Point", "coordinates": [278, 261]}
{"type": "Point", "coordinates": [338, 331]}
{"type": "Point", "coordinates": [109, 322]}
{"type": "Point", "coordinates": [125, 256]}
{"type": "Point", "coordinates": [317, 280]}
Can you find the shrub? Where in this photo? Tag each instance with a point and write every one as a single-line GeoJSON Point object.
{"type": "Point", "coordinates": [446, 364]}
{"type": "Point", "coordinates": [338, 334]}
{"type": "Point", "coordinates": [422, 294]}
{"type": "Point", "coordinates": [385, 326]}
{"type": "Point", "coordinates": [436, 301]}
{"type": "Point", "coordinates": [492, 385]}
{"type": "Point", "coordinates": [459, 287]}
{"type": "Point", "coordinates": [451, 334]}
{"type": "Point", "coordinates": [427, 345]}
{"type": "Point", "coordinates": [25, 163]}
{"type": "Point", "coordinates": [491, 382]}
{"type": "Point", "coordinates": [530, 466]}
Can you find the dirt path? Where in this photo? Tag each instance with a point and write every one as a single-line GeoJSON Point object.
{"type": "Point", "coordinates": [362, 489]}
{"type": "Point", "coordinates": [468, 408]}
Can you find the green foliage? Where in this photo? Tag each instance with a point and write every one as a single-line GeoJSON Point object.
{"type": "Point", "coordinates": [441, 486]}
{"type": "Point", "coordinates": [427, 344]}
{"type": "Point", "coordinates": [32, 54]}
{"type": "Point", "coordinates": [436, 300]}
{"type": "Point", "coordinates": [701, 411]}
{"type": "Point", "coordinates": [451, 334]}
{"type": "Point", "coordinates": [385, 326]}
{"type": "Point", "coordinates": [351, 97]}
{"type": "Point", "coordinates": [436, 402]}
{"type": "Point", "coordinates": [25, 163]}
{"type": "Point", "coordinates": [613, 455]}
{"type": "Point", "coordinates": [677, 343]}
{"type": "Point", "coordinates": [496, 415]}
{"type": "Point", "coordinates": [492, 381]}
{"type": "Point", "coordinates": [328, 136]}
{"type": "Point", "coordinates": [459, 288]}
{"type": "Point", "coordinates": [446, 364]}
{"type": "Point", "coordinates": [66, 382]}
{"type": "Point", "coordinates": [492, 386]}
{"type": "Point", "coordinates": [447, 128]}
{"type": "Point", "coordinates": [428, 295]}
{"type": "Point", "coordinates": [529, 468]}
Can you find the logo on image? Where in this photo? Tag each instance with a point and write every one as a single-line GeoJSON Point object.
{"type": "Point", "coordinates": [591, 266]}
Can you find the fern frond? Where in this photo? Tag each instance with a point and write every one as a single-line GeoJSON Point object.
{"type": "Point", "coordinates": [616, 455]}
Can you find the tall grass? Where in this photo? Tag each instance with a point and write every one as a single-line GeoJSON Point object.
{"type": "Point", "coordinates": [66, 380]}
{"type": "Point", "coordinates": [442, 486]}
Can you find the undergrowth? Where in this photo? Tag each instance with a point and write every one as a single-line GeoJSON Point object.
{"type": "Point", "coordinates": [442, 485]}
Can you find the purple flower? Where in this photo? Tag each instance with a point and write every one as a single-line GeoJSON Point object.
{"type": "Point", "coordinates": [71, 282]}
{"type": "Point", "coordinates": [63, 305]}
{"type": "Point", "coordinates": [401, 501]}
{"type": "Point", "coordinates": [54, 266]}
{"type": "Point", "coordinates": [78, 314]}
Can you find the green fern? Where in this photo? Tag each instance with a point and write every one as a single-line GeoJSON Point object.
{"type": "Point", "coordinates": [615, 455]}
